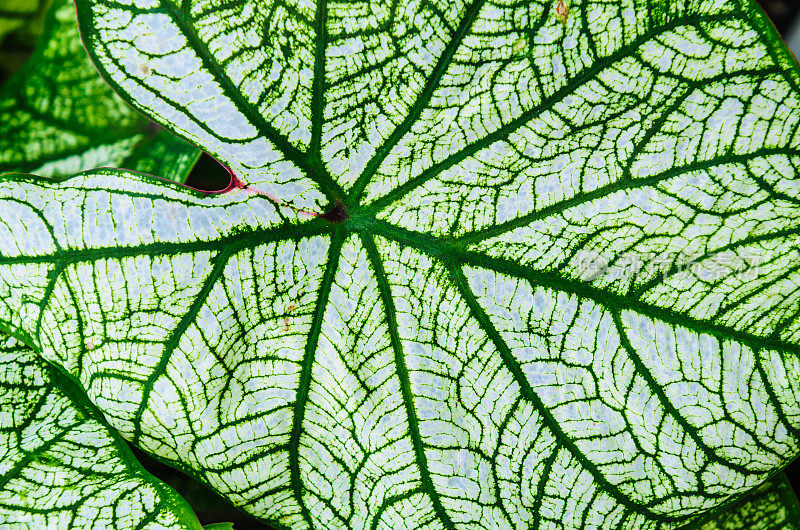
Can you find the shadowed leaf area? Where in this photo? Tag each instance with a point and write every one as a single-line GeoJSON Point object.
{"type": "Point", "coordinates": [209, 507]}
{"type": "Point", "coordinates": [21, 24]}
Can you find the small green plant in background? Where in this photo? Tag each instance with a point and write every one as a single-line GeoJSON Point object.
{"type": "Point", "coordinates": [480, 265]}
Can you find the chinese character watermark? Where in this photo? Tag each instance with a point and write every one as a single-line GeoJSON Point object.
{"type": "Point", "coordinates": [634, 267]}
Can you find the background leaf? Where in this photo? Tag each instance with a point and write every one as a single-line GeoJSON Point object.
{"type": "Point", "coordinates": [772, 506]}
{"type": "Point", "coordinates": [62, 467]}
{"type": "Point", "coordinates": [16, 13]}
{"type": "Point", "coordinates": [58, 117]}
{"type": "Point", "coordinates": [21, 24]}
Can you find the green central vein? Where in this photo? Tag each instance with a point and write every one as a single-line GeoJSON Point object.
{"type": "Point", "coordinates": [219, 260]}
{"type": "Point", "coordinates": [318, 83]}
{"type": "Point", "coordinates": [419, 105]}
{"type": "Point", "coordinates": [244, 239]}
{"type": "Point", "coordinates": [405, 381]}
{"type": "Point", "coordinates": [441, 249]}
{"type": "Point", "coordinates": [304, 385]}
{"type": "Point", "coordinates": [462, 286]}
{"type": "Point", "coordinates": [503, 132]}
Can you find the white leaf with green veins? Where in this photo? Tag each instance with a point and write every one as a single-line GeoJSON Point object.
{"type": "Point", "coordinates": [488, 265]}
{"type": "Point", "coordinates": [58, 117]}
{"type": "Point", "coordinates": [62, 467]}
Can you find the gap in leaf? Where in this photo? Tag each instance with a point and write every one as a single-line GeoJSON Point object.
{"type": "Point", "coordinates": [207, 504]}
{"type": "Point", "coordinates": [208, 175]}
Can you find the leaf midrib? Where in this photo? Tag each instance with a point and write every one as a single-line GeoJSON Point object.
{"type": "Point", "coordinates": [441, 249]}
{"type": "Point", "coordinates": [243, 239]}
{"type": "Point", "coordinates": [318, 83]}
{"type": "Point", "coordinates": [417, 442]}
{"type": "Point", "coordinates": [512, 126]}
{"type": "Point", "coordinates": [442, 64]}
{"type": "Point", "coordinates": [304, 385]}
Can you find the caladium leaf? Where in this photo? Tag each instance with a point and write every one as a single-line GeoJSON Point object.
{"type": "Point", "coordinates": [773, 506]}
{"type": "Point", "coordinates": [413, 309]}
{"type": "Point", "coordinates": [62, 467]}
{"type": "Point", "coordinates": [58, 117]}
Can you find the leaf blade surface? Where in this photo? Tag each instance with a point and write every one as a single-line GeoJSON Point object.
{"type": "Point", "coordinates": [439, 353]}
